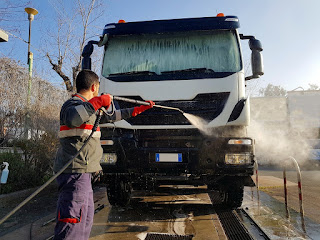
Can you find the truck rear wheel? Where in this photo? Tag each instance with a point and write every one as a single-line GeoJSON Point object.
{"type": "Point", "coordinates": [119, 192]}
{"type": "Point", "coordinates": [232, 196]}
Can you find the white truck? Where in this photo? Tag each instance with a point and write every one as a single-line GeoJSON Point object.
{"type": "Point", "coordinates": [192, 64]}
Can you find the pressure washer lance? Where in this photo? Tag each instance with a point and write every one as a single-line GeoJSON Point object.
{"type": "Point", "coordinates": [144, 103]}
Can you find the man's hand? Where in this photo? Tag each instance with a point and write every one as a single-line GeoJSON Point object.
{"type": "Point", "coordinates": [142, 108]}
{"type": "Point", "coordinates": [101, 101]}
{"type": "Point", "coordinates": [96, 176]}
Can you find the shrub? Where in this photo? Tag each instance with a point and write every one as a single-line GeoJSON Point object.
{"type": "Point", "coordinates": [18, 178]}
{"type": "Point", "coordinates": [34, 166]}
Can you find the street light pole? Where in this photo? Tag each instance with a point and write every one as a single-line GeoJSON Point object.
{"type": "Point", "coordinates": [31, 12]}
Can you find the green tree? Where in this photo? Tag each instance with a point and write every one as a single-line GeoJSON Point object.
{"type": "Point", "coordinates": [272, 91]}
{"type": "Point", "coordinates": [313, 86]}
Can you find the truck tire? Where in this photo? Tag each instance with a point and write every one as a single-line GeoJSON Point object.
{"type": "Point", "coordinates": [119, 192]}
{"type": "Point", "coordinates": [232, 196]}
{"type": "Point", "coordinates": [112, 194]}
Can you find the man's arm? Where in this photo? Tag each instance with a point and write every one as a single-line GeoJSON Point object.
{"type": "Point", "coordinates": [117, 115]}
{"type": "Point", "coordinates": [120, 114]}
{"type": "Point", "coordinates": [76, 113]}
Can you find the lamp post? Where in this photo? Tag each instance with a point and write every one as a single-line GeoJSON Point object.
{"type": "Point", "coordinates": [31, 12]}
{"type": "Point", "coordinates": [3, 36]}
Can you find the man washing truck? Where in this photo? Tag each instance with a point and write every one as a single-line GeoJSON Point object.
{"type": "Point", "coordinates": [195, 65]}
{"type": "Point", "coordinates": [75, 208]}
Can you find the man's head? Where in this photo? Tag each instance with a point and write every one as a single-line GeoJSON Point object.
{"type": "Point", "coordinates": [87, 83]}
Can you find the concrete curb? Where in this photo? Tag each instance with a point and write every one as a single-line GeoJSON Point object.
{"type": "Point", "coordinates": [22, 194]}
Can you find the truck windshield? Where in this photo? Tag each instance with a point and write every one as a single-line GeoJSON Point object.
{"type": "Point", "coordinates": [211, 51]}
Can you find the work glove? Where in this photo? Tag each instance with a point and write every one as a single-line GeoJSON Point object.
{"type": "Point", "coordinates": [142, 108]}
{"type": "Point", "coordinates": [101, 101]}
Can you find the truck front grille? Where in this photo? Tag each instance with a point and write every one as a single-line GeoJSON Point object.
{"type": "Point", "coordinates": [206, 106]}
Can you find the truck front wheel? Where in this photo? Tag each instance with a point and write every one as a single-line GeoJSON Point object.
{"type": "Point", "coordinates": [232, 195]}
{"type": "Point", "coordinates": [119, 192]}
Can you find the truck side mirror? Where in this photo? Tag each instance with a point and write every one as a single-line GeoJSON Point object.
{"type": "Point", "coordinates": [86, 54]}
{"type": "Point", "coordinates": [255, 44]}
{"type": "Point", "coordinates": [256, 56]}
{"type": "Point", "coordinates": [256, 59]}
{"type": "Point", "coordinates": [86, 63]}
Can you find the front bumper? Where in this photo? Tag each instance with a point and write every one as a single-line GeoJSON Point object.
{"type": "Point", "coordinates": [136, 153]}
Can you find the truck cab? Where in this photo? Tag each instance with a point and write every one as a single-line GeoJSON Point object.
{"type": "Point", "coordinates": [195, 65]}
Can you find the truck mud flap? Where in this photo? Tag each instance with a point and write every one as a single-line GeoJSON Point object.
{"type": "Point", "coordinates": [247, 181]}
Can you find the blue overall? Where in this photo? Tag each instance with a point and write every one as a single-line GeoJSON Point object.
{"type": "Point", "coordinates": [75, 208]}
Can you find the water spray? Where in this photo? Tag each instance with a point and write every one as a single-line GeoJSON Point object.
{"type": "Point", "coordinates": [194, 120]}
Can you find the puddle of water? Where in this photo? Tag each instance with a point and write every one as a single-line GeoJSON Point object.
{"type": "Point", "coordinates": [179, 224]}
{"type": "Point", "coordinates": [272, 217]}
{"type": "Point", "coordinates": [142, 236]}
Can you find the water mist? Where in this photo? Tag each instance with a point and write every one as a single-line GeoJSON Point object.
{"type": "Point", "coordinates": [198, 122]}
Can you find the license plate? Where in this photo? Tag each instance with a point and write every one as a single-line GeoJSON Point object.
{"type": "Point", "coordinates": [168, 157]}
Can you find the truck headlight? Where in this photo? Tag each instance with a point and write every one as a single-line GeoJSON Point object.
{"type": "Point", "coordinates": [240, 141]}
{"type": "Point", "coordinates": [238, 158]}
{"type": "Point", "coordinates": [109, 158]}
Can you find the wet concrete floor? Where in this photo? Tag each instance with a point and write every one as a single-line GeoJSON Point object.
{"type": "Point", "coordinates": [171, 210]}
{"type": "Point", "coordinates": [181, 211]}
{"type": "Point", "coordinates": [188, 211]}
{"type": "Point", "coordinates": [271, 213]}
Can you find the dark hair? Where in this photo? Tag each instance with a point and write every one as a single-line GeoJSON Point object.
{"type": "Point", "coordinates": [85, 79]}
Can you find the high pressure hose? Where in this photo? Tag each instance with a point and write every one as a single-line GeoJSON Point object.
{"type": "Point", "coordinates": [95, 126]}
{"type": "Point", "coordinates": [101, 111]}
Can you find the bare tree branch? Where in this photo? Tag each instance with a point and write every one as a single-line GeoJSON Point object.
{"type": "Point", "coordinates": [70, 40]}
{"type": "Point", "coordinates": [12, 14]}
{"type": "Point", "coordinates": [58, 69]}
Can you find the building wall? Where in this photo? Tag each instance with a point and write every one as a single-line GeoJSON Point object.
{"type": "Point", "coordinates": [304, 109]}
{"type": "Point", "coordinates": [269, 112]}
{"type": "Point", "coordinates": [284, 126]}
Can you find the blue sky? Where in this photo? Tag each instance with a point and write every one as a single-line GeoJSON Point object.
{"type": "Point", "coordinates": [286, 28]}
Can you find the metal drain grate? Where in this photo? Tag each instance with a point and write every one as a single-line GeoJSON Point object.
{"type": "Point", "coordinates": [164, 236]}
{"type": "Point", "coordinates": [232, 226]}
{"type": "Point", "coordinates": [215, 197]}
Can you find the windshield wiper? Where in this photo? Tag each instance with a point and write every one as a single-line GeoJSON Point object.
{"type": "Point", "coordinates": [192, 70]}
{"type": "Point", "coordinates": [133, 73]}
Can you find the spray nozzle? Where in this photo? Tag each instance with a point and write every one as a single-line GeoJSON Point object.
{"type": "Point", "coordinates": [172, 108]}
{"type": "Point", "coordinates": [4, 172]}
{"type": "Point", "coordinates": [4, 165]}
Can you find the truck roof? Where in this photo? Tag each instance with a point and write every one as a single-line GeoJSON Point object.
{"type": "Point", "coordinates": [172, 25]}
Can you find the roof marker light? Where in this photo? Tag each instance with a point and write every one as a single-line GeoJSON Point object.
{"type": "Point", "coordinates": [110, 26]}
{"type": "Point", "coordinates": [121, 21]}
{"type": "Point", "coordinates": [240, 141]}
{"type": "Point", "coordinates": [232, 20]}
{"type": "Point", "coordinates": [220, 15]}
